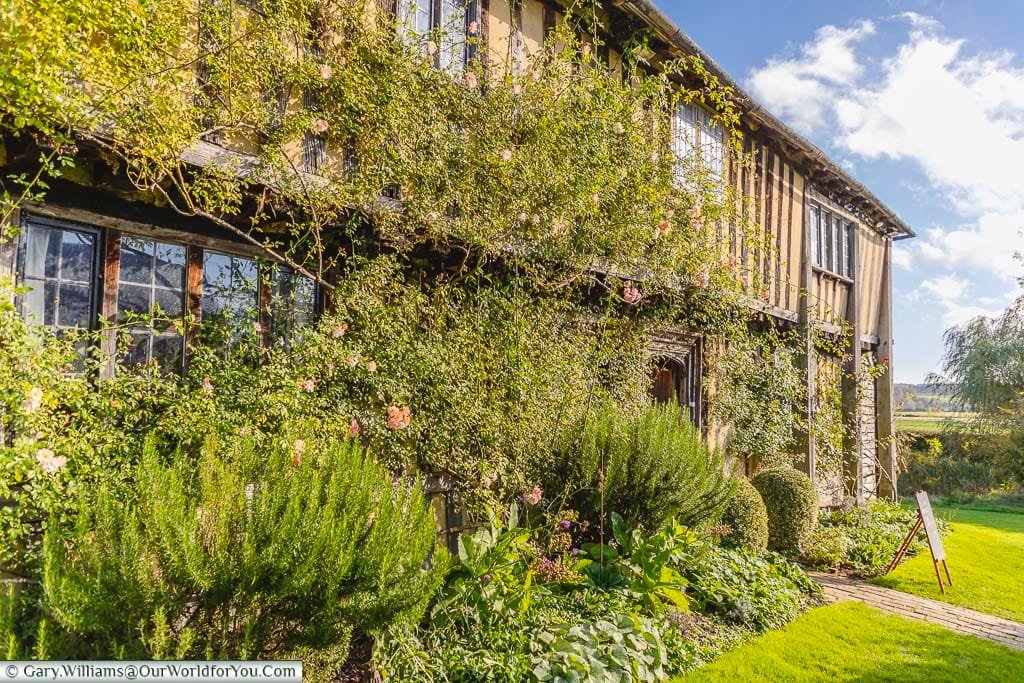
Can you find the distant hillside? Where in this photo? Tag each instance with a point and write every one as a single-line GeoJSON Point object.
{"type": "Point", "coordinates": [920, 398]}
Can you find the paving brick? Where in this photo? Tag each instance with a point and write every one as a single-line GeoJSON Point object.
{"type": "Point", "coordinates": [960, 619]}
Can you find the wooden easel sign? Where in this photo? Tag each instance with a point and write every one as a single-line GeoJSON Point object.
{"type": "Point", "coordinates": [925, 518]}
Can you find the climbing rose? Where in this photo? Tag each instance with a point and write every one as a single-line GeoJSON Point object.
{"type": "Point", "coordinates": [33, 400]}
{"type": "Point", "coordinates": [535, 496]}
{"type": "Point", "coordinates": [371, 366]}
{"type": "Point", "coordinates": [325, 71]}
{"type": "Point", "coordinates": [473, 28]}
{"type": "Point", "coordinates": [619, 128]}
{"type": "Point", "coordinates": [489, 480]}
{"type": "Point", "coordinates": [664, 228]}
{"type": "Point", "coordinates": [398, 418]}
{"type": "Point", "coordinates": [298, 450]}
{"type": "Point", "coordinates": [50, 463]}
{"type": "Point", "coordinates": [431, 48]}
{"type": "Point", "coordinates": [516, 88]}
{"type": "Point", "coordinates": [470, 79]}
{"type": "Point", "coordinates": [595, 198]}
{"type": "Point", "coordinates": [506, 155]}
{"type": "Point", "coordinates": [353, 428]}
{"type": "Point", "coordinates": [319, 125]}
{"type": "Point", "coordinates": [522, 216]}
{"type": "Point", "coordinates": [207, 386]}
{"type": "Point", "coordinates": [630, 293]}
{"type": "Point", "coordinates": [257, 328]}
{"type": "Point", "coordinates": [536, 219]}
{"type": "Point", "coordinates": [338, 331]}
{"type": "Point", "coordinates": [307, 385]}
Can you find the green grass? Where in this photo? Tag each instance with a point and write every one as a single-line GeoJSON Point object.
{"type": "Point", "coordinates": [985, 554]}
{"type": "Point", "coordinates": [929, 422]}
{"type": "Point", "coordinates": [850, 642]}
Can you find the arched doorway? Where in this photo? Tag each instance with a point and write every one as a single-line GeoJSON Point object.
{"type": "Point", "coordinates": [678, 378]}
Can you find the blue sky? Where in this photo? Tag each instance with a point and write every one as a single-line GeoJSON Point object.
{"type": "Point", "coordinates": [923, 101]}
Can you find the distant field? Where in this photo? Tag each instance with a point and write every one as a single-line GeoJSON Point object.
{"type": "Point", "coordinates": [928, 422]}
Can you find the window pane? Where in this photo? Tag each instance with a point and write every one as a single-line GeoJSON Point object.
{"type": "Point", "coordinates": [851, 234]}
{"type": "Point", "coordinates": [229, 288]}
{"type": "Point", "coordinates": [170, 265]}
{"type": "Point", "coordinates": [133, 298]}
{"type": "Point", "coordinates": [74, 304]}
{"type": "Point", "coordinates": [815, 241]}
{"type": "Point", "coordinates": [76, 261]}
{"type": "Point", "coordinates": [136, 260]}
{"type": "Point", "coordinates": [170, 302]}
{"type": "Point", "coordinates": [829, 247]}
{"type": "Point", "coordinates": [51, 257]}
{"type": "Point", "coordinates": [138, 351]}
{"type": "Point", "coordinates": [292, 303]}
{"type": "Point", "coordinates": [167, 349]}
{"type": "Point", "coordinates": [453, 35]}
{"type": "Point", "coordinates": [42, 252]}
{"type": "Point", "coordinates": [37, 303]}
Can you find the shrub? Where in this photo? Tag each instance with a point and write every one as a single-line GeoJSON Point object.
{"type": "Point", "coordinates": [758, 591]}
{"type": "Point", "coordinates": [652, 465]}
{"type": "Point", "coordinates": [251, 552]}
{"type": "Point", "coordinates": [874, 533]}
{"type": "Point", "coordinates": [792, 506]}
{"type": "Point", "coordinates": [748, 517]}
{"type": "Point", "coordinates": [828, 547]}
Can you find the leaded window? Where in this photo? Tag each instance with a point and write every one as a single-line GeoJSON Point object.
{"type": "Point", "coordinates": [831, 241]}
{"type": "Point", "coordinates": [57, 266]}
{"type": "Point", "coordinates": [151, 282]}
{"type": "Point", "coordinates": [230, 291]}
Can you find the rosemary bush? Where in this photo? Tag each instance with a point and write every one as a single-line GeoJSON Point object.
{"type": "Point", "coordinates": [256, 551]}
{"type": "Point", "coordinates": [652, 465]}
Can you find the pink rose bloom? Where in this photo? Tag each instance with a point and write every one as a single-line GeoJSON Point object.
{"type": "Point", "coordinates": [670, 213]}
{"type": "Point", "coordinates": [664, 228]}
{"type": "Point", "coordinates": [371, 366]}
{"type": "Point", "coordinates": [431, 48]}
{"type": "Point", "coordinates": [522, 216]}
{"type": "Point", "coordinates": [470, 79]}
{"type": "Point", "coordinates": [299, 448]}
{"type": "Point", "coordinates": [619, 128]}
{"type": "Point", "coordinates": [631, 294]}
{"type": "Point", "coordinates": [325, 71]}
{"type": "Point", "coordinates": [535, 496]}
{"type": "Point", "coordinates": [353, 428]}
{"type": "Point", "coordinates": [319, 125]}
{"type": "Point", "coordinates": [516, 88]}
{"type": "Point", "coordinates": [307, 385]}
{"type": "Point", "coordinates": [536, 219]}
{"type": "Point", "coordinates": [623, 173]}
{"type": "Point", "coordinates": [506, 155]}
{"type": "Point", "coordinates": [473, 28]}
{"type": "Point", "coordinates": [490, 480]}
{"type": "Point", "coordinates": [399, 418]}
{"type": "Point", "coordinates": [257, 328]}
{"type": "Point", "coordinates": [352, 362]}
{"type": "Point", "coordinates": [338, 331]}
{"type": "Point", "coordinates": [595, 198]}
{"type": "Point", "coordinates": [704, 279]}
{"type": "Point", "coordinates": [207, 386]}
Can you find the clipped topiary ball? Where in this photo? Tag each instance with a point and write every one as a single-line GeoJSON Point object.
{"type": "Point", "coordinates": [792, 505]}
{"type": "Point", "coordinates": [748, 517]}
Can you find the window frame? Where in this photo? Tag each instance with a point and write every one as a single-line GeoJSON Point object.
{"type": "Point", "coordinates": [153, 333]}
{"type": "Point", "coordinates": [831, 233]}
{"type": "Point", "coordinates": [700, 141]}
{"type": "Point", "coordinates": [406, 9]}
{"type": "Point", "coordinates": [105, 269]}
{"type": "Point", "coordinates": [95, 284]}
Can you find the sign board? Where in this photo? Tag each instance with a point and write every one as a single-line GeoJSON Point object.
{"type": "Point", "coordinates": [926, 519]}
{"type": "Point", "coordinates": [931, 530]}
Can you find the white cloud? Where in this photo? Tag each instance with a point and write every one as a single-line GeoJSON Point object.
{"type": "Point", "coordinates": [953, 295]}
{"type": "Point", "coordinates": [800, 89]}
{"type": "Point", "coordinates": [958, 117]}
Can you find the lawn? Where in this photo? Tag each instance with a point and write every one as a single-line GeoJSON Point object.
{"type": "Point", "coordinates": [850, 642]}
{"type": "Point", "coordinates": [985, 554]}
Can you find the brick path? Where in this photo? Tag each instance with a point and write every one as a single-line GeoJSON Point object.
{"type": "Point", "coordinates": [960, 619]}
